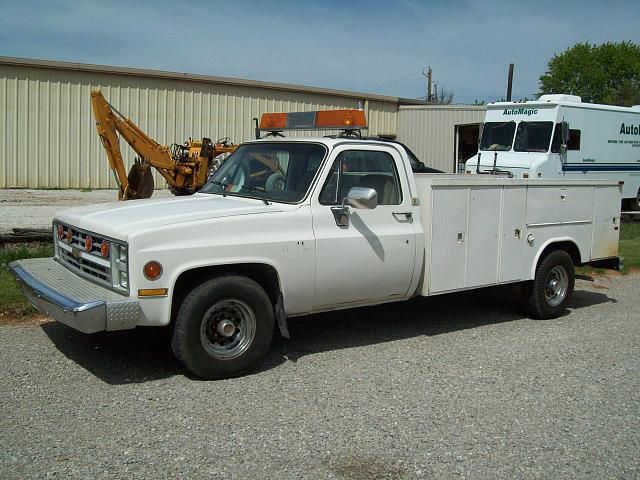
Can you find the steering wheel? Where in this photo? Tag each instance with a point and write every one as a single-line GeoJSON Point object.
{"type": "Point", "coordinates": [274, 182]}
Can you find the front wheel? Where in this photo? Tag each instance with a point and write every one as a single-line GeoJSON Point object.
{"type": "Point", "coordinates": [224, 328]}
{"type": "Point", "coordinates": [550, 291]}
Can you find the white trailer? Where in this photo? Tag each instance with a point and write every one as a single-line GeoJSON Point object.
{"type": "Point", "coordinates": [292, 226]}
{"type": "Point", "coordinates": [558, 136]}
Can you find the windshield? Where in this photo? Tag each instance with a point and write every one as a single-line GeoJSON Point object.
{"type": "Point", "coordinates": [497, 136]}
{"type": "Point", "coordinates": [533, 136]}
{"type": "Point", "coordinates": [268, 171]}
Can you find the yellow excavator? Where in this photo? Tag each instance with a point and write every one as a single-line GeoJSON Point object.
{"type": "Point", "coordinates": [185, 167]}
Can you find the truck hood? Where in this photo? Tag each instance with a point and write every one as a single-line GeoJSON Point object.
{"type": "Point", "coordinates": [512, 161]}
{"type": "Point", "coordinates": [120, 219]}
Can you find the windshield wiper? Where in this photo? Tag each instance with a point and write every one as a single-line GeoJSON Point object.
{"type": "Point", "coordinates": [256, 189]}
{"type": "Point", "coordinates": [215, 182]}
{"type": "Point", "coordinates": [225, 192]}
{"type": "Point", "coordinates": [253, 189]}
{"type": "Point", "coordinates": [223, 185]}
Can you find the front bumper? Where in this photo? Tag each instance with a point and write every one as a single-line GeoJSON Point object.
{"type": "Point", "coordinates": [73, 300]}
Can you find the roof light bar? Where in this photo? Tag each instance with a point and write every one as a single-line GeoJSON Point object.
{"type": "Point", "coordinates": [324, 119]}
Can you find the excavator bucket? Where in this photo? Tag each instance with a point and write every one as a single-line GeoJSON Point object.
{"type": "Point", "coordinates": [141, 182]}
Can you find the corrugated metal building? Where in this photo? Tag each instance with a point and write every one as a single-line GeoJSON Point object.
{"type": "Point", "coordinates": [47, 131]}
{"type": "Point", "coordinates": [442, 136]}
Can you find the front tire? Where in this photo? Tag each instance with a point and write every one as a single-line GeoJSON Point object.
{"type": "Point", "coordinates": [549, 293]}
{"type": "Point", "coordinates": [224, 328]}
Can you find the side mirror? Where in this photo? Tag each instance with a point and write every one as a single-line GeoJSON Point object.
{"type": "Point", "coordinates": [358, 197]}
{"type": "Point", "coordinates": [361, 197]}
{"type": "Point", "coordinates": [564, 136]}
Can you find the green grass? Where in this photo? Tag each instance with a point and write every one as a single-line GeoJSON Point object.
{"type": "Point", "coordinates": [630, 245]}
{"type": "Point", "coordinates": [12, 301]}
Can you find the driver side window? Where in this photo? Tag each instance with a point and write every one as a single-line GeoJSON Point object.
{"type": "Point", "coordinates": [362, 168]}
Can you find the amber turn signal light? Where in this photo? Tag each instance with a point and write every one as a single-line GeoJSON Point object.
{"type": "Point", "coordinates": [104, 249]}
{"type": "Point", "coordinates": [88, 243]}
{"type": "Point", "coordinates": [152, 292]}
{"type": "Point", "coordinates": [152, 270]}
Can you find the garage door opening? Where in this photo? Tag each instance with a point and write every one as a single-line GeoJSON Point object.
{"type": "Point", "coordinates": [466, 144]}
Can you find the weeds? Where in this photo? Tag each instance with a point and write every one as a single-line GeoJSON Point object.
{"type": "Point", "coordinates": [12, 301]}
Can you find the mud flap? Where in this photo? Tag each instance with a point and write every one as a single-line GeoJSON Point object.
{"type": "Point", "coordinates": [281, 317]}
{"type": "Point", "coordinates": [615, 263]}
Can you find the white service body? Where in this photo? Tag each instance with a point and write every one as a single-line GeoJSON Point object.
{"type": "Point", "coordinates": [604, 141]}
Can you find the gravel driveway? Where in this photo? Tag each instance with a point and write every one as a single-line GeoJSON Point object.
{"type": "Point", "coordinates": [25, 208]}
{"type": "Point", "coordinates": [446, 387]}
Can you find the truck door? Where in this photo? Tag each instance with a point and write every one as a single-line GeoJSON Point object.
{"type": "Point", "coordinates": [373, 257]}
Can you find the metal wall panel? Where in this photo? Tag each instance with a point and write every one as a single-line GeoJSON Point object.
{"type": "Point", "coordinates": [429, 131]}
{"type": "Point", "coordinates": [47, 130]}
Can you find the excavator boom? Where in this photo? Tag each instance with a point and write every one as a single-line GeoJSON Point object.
{"type": "Point", "coordinates": [184, 167]}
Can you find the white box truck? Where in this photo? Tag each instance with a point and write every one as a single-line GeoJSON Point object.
{"type": "Point", "coordinates": [292, 226]}
{"type": "Point", "coordinates": [558, 136]}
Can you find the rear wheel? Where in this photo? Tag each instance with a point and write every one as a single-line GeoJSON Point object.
{"type": "Point", "coordinates": [550, 291]}
{"type": "Point", "coordinates": [224, 328]}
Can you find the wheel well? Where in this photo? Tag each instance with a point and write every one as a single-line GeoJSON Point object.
{"type": "Point", "coordinates": [566, 245]}
{"type": "Point", "coordinates": [264, 275]}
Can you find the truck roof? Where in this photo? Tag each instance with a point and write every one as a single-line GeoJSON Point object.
{"type": "Point", "coordinates": [417, 165]}
{"type": "Point", "coordinates": [328, 141]}
{"type": "Point", "coordinates": [562, 103]}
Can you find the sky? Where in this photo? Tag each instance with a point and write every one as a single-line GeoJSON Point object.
{"type": "Point", "coordinates": [364, 46]}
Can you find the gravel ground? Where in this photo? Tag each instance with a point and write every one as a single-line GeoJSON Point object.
{"type": "Point", "coordinates": [446, 387]}
{"type": "Point", "coordinates": [24, 208]}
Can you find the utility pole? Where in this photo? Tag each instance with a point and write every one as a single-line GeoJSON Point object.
{"type": "Point", "coordinates": [427, 73]}
{"type": "Point", "coordinates": [510, 82]}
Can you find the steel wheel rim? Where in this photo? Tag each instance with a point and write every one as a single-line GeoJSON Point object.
{"type": "Point", "coordinates": [221, 313]}
{"type": "Point", "coordinates": [556, 286]}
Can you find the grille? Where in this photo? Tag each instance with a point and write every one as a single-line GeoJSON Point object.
{"type": "Point", "coordinates": [89, 264]}
{"type": "Point", "coordinates": [88, 267]}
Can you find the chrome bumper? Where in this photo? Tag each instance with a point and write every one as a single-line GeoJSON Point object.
{"type": "Point", "coordinates": [72, 300]}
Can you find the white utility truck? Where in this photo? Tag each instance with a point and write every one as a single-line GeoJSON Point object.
{"type": "Point", "coordinates": [558, 136]}
{"type": "Point", "coordinates": [292, 226]}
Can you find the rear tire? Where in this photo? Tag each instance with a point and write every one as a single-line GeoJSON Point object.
{"type": "Point", "coordinates": [223, 328]}
{"type": "Point", "coordinates": [550, 291]}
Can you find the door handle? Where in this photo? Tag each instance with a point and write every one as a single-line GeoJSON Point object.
{"type": "Point", "coordinates": [398, 215]}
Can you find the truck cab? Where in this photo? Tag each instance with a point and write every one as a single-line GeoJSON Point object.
{"type": "Point", "coordinates": [559, 136]}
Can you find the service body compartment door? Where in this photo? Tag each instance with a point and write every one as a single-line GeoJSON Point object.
{"type": "Point", "coordinates": [513, 245]}
{"type": "Point", "coordinates": [606, 223]}
{"type": "Point", "coordinates": [448, 262]}
{"type": "Point", "coordinates": [484, 241]}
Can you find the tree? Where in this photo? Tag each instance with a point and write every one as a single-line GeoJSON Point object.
{"type": "Point", "coordinates": [607, 73]}
{"type": "Point", "coordinates": [443, 96]}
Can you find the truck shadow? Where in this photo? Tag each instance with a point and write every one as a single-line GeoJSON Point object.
{"type": "Point", "coordinates": [144, 354]}
{"type": "Point", "coordinates": [122, 357]}
{"type": "Point", "coordinates": [421, 316]}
